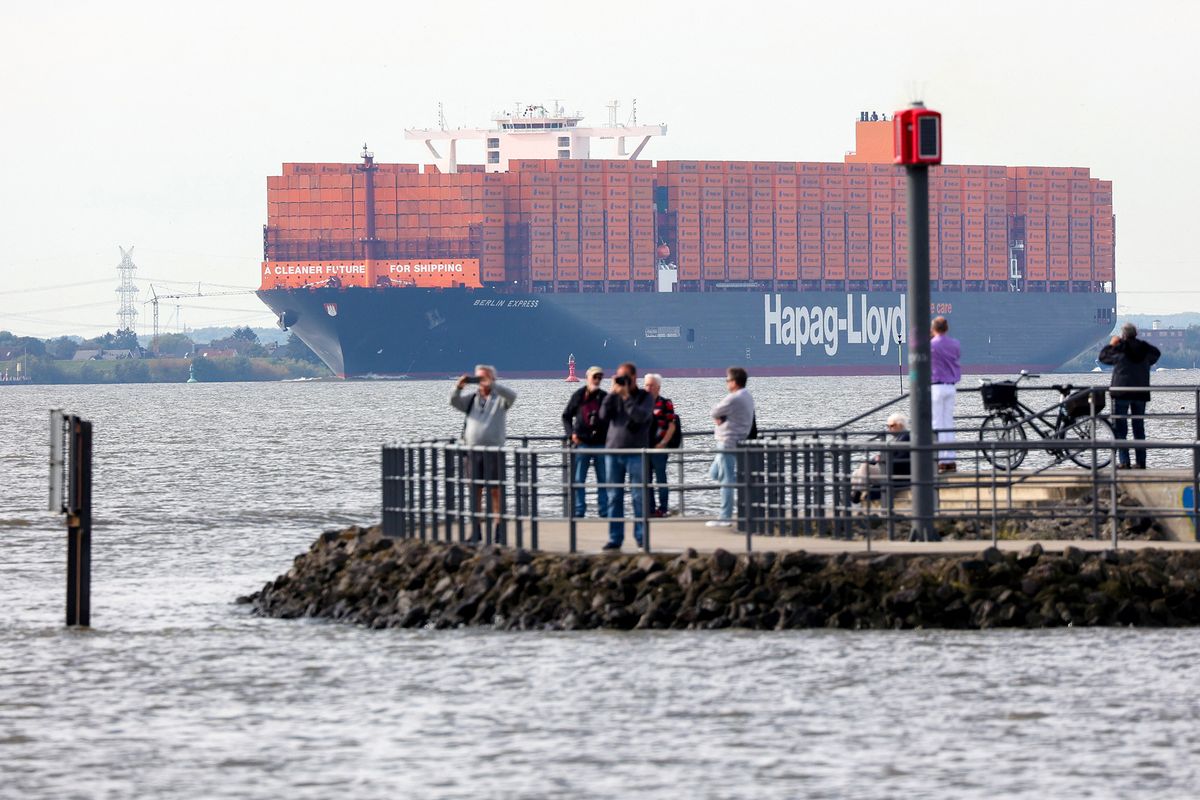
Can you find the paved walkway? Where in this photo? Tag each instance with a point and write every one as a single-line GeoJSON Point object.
{"type": "Point", "coordinates": [676, 535]}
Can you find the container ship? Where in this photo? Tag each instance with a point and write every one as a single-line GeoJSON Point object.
{"type": "Point", "coordinates": [544, 253]}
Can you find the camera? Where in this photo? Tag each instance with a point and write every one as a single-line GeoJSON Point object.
{"type": "Point", "coordinates": [622, 380]}
{"type": "Point", "coordinates": [472, 379]}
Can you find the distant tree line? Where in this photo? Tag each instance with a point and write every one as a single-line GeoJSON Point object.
{"type": "Point", "coordinates": [167, 360]}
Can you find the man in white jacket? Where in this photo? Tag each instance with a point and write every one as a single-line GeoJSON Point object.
{"type": "Point", "coordinates": [733, 418]}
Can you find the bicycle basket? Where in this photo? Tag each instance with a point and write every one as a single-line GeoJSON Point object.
{"type": "Point", "coordinates": [1078, 405]}
{"type": "Point", "coordinates": [998, 395]}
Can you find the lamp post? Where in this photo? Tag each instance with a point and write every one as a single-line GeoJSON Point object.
{"type": "Point", "coordinates": [918, 139]}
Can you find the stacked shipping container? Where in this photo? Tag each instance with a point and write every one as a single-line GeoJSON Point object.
{"type": "Point", "coordinates": [588, 224]}
{"type": "Point", "coordinates": [1068, 225]}
{"type": "Point", "coordinates": [595, 225]}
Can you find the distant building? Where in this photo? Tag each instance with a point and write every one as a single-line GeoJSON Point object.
{"type": "Point", "coordinates": [1164, 338]}
{"type": "Point", "coordinates": [103, 355]}
{"type": "Point", "coordinates": [215, 352]}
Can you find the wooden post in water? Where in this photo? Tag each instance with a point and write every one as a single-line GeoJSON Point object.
{"type": "Point", "coordinates": [75, 461]}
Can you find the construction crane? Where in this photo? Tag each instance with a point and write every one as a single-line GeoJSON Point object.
{"type": "Point", "coordinates": [155, 297]}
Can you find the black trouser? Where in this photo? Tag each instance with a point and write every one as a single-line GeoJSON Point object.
{"type": "Point", "coordinates": [658, 474]}
{"type": "Point", "coordinates": [1121, 412]}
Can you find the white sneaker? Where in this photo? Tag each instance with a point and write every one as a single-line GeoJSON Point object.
{"type": "Point", "coordinates": [718, 523]}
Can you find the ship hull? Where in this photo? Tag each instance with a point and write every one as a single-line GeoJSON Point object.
{"type": "Point", "coordinates": [427, 333]}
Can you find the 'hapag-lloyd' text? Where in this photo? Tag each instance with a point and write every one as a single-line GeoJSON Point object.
{"type": "Point", "coordinates": [798, 326]}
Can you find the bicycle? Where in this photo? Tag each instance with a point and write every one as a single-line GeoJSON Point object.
{"type": "Point", "coordinates": [1076, 420]}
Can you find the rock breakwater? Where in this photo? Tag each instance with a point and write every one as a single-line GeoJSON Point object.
{"type": "Point", "coordinates": [359, 576]}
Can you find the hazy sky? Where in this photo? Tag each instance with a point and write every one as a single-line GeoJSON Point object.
{"type": "Point", "coordinates": [155, 124]}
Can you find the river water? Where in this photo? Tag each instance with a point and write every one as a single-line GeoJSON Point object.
{"type": "Point", "coordinates": [203, 492]}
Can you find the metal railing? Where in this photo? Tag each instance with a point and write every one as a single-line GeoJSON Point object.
{"type": "Point", "coordinates": [810, 482]}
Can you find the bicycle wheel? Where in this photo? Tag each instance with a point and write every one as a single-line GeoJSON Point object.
{"type": "Point", "coordinates": [1002, 428]}
{"type": "Point", "coordinates": [1081, 430]}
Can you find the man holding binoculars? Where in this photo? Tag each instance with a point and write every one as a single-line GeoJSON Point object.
{"type": "Point", "coordinates": [629, 412]}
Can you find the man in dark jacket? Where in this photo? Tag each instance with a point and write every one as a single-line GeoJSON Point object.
{"type": "Point", "coordinates": [586, 432]}
{"type": "Point", "coordinates": [629, 412]}
{"type": "Point", "coordinates": [1131, 359]}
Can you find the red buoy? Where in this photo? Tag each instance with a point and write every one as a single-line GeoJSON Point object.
{"type": "Point", "coordinates": [571, 376]}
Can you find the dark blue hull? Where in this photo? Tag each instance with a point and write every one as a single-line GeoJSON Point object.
{"type": "Point", "coordinates": [437, 333]}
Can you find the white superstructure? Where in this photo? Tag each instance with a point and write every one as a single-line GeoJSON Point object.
{"type": "Point", "coordinates": [533, 131]}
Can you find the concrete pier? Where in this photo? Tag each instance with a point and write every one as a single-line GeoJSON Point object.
{"type": "Point", "coordinates": [677, 535]}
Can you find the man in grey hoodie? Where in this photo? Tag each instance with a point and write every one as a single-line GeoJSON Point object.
{"type": "Point", "coordinates": [485, 425]}
{"type": "Point", "coordinates": [733, 418]}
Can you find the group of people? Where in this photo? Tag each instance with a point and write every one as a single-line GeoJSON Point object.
{"type": "Point", "coordinates": [1130, 357]}
{"type": "Point", "coordinates": [597, 421]}
{"type": "Point", "coordinates": [628, 417]}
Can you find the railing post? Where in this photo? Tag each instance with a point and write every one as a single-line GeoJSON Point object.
{"type": "Point", "coordinates": [774, 483]}
{"type": "Point", "coordinates": [840, 462]}
{"type": "Point", "coordinates": [489, 506]}
{"type": "Point", "coordinates": [434, 463]}
{"type": "Point", "coordinates": [794, 454]}
{"type": "Point", "coordinates": [517, 492]}
{"type": "Point", "coordinates": [890, 500]}
{"type": "Point", "coordinates": [568, 470]}
{"type": "Point", "coordinates": [995, 500]}
{"type": "Point", "coordinates": [569, 456]}
{"type": "Point", "coordinates": [410, 516]}
{"type": "Point", "coordinates": [421, 478]}
{"type": "Point", "coordinates": [744, 490]}
{"type": "Point", "coordinates": [1196, 470]}
{"type": "Point", "coordinates": [819, 487]}
{"type": "Point", "coordinates": [1196, 486]}
{"type": "Point", "coordinates": [533, 500]}
{"type": "Point", "coordinates": [387, 480]}
{"type": "Point", "coordinates": [682, 480]}
{"type": "Point", "coordinates": [809, 496]}
{"type": "Point", "coordinates": [1112, 500]}
{"type": "Point", "coordinates": [645, 520]}
{"type": "Point", "coordinates": [449, 474]}
{"type": "Point", "coordinates": [462, 501]}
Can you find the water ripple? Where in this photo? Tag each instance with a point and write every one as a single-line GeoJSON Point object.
{"type": "Point", "coordinates": [205, 492]}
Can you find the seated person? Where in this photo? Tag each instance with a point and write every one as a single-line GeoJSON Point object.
{"type": "Point", "coordinates": [871, 474]}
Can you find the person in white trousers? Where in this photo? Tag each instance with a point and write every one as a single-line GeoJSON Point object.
{"type": "Point", "coordinates": [945, 372]}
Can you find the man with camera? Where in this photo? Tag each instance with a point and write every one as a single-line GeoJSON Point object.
{"type": "Point", "coordinates": [485, 426]}
{"type": "Point", "coordinates": [587, 432]}
{"type": "Point", "coordinates": [629, 412]}
{"type": "Point", "coordinates": [1131, 359]}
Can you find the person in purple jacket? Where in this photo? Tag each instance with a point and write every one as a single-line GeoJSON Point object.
{"type": "Point", "coordinates": [945, 372]}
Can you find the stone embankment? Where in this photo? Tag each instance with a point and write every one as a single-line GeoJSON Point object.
{"type": "Point", "coordinates": [1071, 518]}
{"type": "Point", "coordinates": [359, 576]}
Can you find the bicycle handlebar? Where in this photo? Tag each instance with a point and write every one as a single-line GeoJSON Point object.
{"type": "Point", "coordinates": [1020, 378]}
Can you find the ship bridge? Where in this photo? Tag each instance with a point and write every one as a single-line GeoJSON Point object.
{"type": "Point", "coordinates": [537, 132]}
